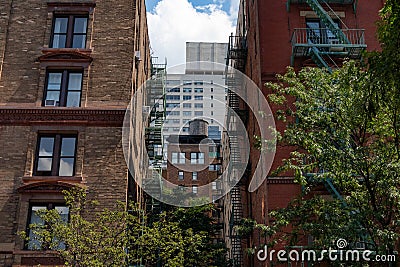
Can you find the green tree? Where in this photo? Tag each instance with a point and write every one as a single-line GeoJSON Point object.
{"type": "Point", "coordinates": [183, 237]}
{"type": "Point", "coordinates": [121, 236]}
{"type": "Point", "coordinates": [90, 237]}
{"type": "Point", "coordinates": [345, 139]}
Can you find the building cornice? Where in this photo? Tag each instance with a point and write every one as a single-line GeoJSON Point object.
{"type": "Point", "coordinates": [57, 115]}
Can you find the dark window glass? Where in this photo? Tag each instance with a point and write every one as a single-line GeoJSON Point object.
{"type": "Point", "coordinates": [69, 32]}
{"type": "Point", "coordinates": [63, 89]}
{"type": "Point", "coordinates": [56, 155]}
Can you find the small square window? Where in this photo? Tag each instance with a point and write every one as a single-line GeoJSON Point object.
{"type": "Point", "coordinates": [194, 189]}
{"type": "Point", "coordinates": [214, 185]}
{"type": "Point", "coordinates": [180, 175]}
{"type": "Point", "coordinates": [197, 158]}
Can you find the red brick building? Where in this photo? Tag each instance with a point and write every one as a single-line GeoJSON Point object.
{"type": "Point", "coordinates": [270, 36]}
{"type": "Point", "coordinates": [194, 163]}
{"type": "Point", "coordinates": [68, 70]}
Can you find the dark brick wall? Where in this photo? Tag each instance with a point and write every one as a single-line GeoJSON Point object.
{"type": "Point", "coordinates": [116, 29]}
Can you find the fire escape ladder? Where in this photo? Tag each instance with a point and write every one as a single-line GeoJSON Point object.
{"type": "Point", "coordinates": [318, 59]}
{"type": "Point", "coordinates": [236, 217]}
{"type": "Point", "coordinates": [327, 20]}
{"type": "Point", "coordinates": [333, 191]}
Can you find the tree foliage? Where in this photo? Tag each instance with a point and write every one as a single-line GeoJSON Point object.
{"type": "Point", "coordinates": [121, 236]}
{"type": "Point", "coordinates": [345, 139]}
{"type": "Point", "coordinates": [345, 127]}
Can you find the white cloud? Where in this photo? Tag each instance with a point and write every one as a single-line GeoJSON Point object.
{"type": "Point", "coordinates": [174, 22]}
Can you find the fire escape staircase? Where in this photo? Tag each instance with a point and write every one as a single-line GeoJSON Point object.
{"type": "Point", "coordinates": [235, 219]}
{"type": "Point", "coordinates": [236, 61]}
{"type": "Point", "coordinates": [155, 95]}
{"type": "Point", "coordinates": [317, 44]}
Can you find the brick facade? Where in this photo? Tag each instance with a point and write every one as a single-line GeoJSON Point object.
{"type": "Point", "coordinates": [267, 26]}
{"type": "Point", "coordinates": [111, 74]}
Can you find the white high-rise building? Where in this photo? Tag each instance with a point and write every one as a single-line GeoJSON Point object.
{"type": "Point", "coordinates": [198, 91]}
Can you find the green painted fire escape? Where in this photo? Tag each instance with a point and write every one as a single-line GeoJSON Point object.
{"type": "Point", "coordinates": [323, 45]}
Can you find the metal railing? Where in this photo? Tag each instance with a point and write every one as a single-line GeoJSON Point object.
{"type": "Point", "coordinates": [342, 2]}
{"type": "Point", "coordinates": [323, 37]}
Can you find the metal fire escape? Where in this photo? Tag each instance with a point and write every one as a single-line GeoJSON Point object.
{"type": "Point", "coordinates": [323, 45]}
{"type": "Point", "coordinates": [155, 102]}
{"type": "Point", "coordinates": [236, 60]}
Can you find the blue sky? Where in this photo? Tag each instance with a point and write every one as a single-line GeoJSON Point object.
{"type": "Point", "coordinates": [172, 23]}
{"type": "Point", "coordinates": [225, 5]}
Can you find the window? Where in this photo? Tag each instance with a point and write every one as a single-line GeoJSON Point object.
{"type": "Point", "coordinates": [173, 97]}
{"type": "Point", "coordinates": [176, 121]}
{"type": "Point", "coordinates": [194, 189]}
{"type": "Point", "coordinates": [187, 90]}
{"type": "Point", "coordinates": [63, 88]}
{"type": "Point", "coordinates": [180, 175]}
{"type": "Point", "coordinates": [214, 185]}
{"type": "Point", "coordinates": [212, 90]}
{"type": "Point", "coordinates": [185, 120]}
{"type": "Point", "coordinates": [197, 158]}
{"type": "Point", "coordinates": [198, 90]}
{"type": "Point", "coordinates": [187, 113]}
{"type": "Point", "coordinates": [187, 105]}
{"type": "Point", "coordinates": [198, 113]}
{"type": "Point", "coordinates": [172, 105]}
{"type": "Point", "coordinates": [187, 82]}
{"type": "Point", "coordinates": [198, 105]}
{"type": "Point", "coordinates": [214, 167]}
{"type": "Point", "coordinates": [173, 113]}
{"type": "Point", "coordinates": [55, 155]}
{"type": "Point", "coordinates": [194, 176]}
{"type": "Point", "coordinates": [34, 242]}
{"type": "Point", "coordinates": [212, 97]}
{"type": "Point", "coordinates": [212, 113]}
{"type": "Point", "coordinates": [212, 105]}
{"type": "Point", "coordinates": [187, 97]}
{"type": "Point", "coordinates": [174, 90]}
{"type": "Point", "coordinates": [198, 82]}
{"type": "Point", "coordinates": [198, 97]}
{"type": "Point", "coordinates": [173, 82]}
{"type": "Point", "coordinates": [178, 157]}
{"type": "Point", "coordinates": [69, 32]}
{"type": "Point", "coordinates": [318, 33]}
{"type": "Point", "coordinates": [185, 129]}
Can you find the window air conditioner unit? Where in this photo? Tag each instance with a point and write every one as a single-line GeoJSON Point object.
{"type": "Point", "coordinates": [146, 110]}
{"type": "Point", "coordinates": [50, 103]}
{"type": "Point", "coordinates": [137, 56]}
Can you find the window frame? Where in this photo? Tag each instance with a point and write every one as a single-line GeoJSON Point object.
{"type": "Point", "coordinates": [56, 154]}
{"type": "Point", "coordinates": [181, 175]}
{"type": "Point", "coordinates": [49, 205]}
{"type": "Point", "coordinates": [69, 35]}
{"type": "Point", "coordinates": [197, 159]}
{"type": "Point", "coordinates": [64, 90]}
{"type": "Point", "coordinates": [195, 189]}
